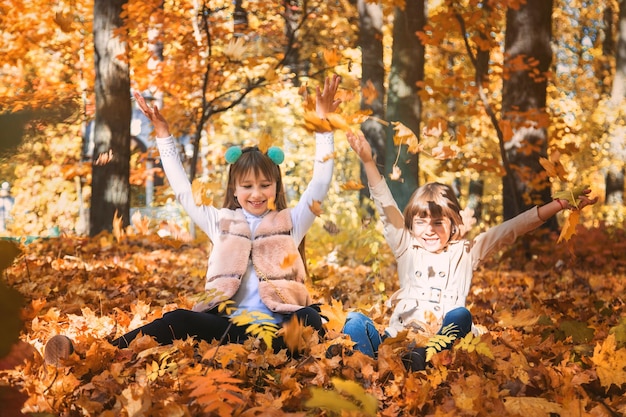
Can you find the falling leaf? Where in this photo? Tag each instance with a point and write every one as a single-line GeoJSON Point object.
{"type": "Point", "coordinates": [351, 186]}
{"type": "Point", "coordinates": [141, 223]}
{"type": "Point", "coordinates": [330, 156]}
{"type": "Point", "coordinates": [314, 123]}
{"type": "Point", "coordinates": [289, 260]}
{"type": "Point", "coordinates": [369, 92]}
{"type": "Point", "coordinates": [265, 141]}
{"type": "Point", "coordinates": [331, 57]}
{"type": "Point", "coordinates": [337, 121]}
{"type": "Point", "coordinates": [236, 48]}
{"type": "Point", "coordinates": [202, 192]}
{"type": "Point", "coordinates": [271, 203]}
{"type": "Point", "coordinates": [331, 227]}
{"type": "Point", "coordinates": [553, 166]}
{"type": "Point", "coordinates": [467, 216]}
{"type": "Point", "coordinates": [104, 158]}
{"type": "Point", "coordinates": [295, 334]}
{"type": "Point", "coordinates": [569, 226]}
{"type": "Point", "coordinates": [396, 173]}
{"type": "Point", "coordinates": [316, 208]}
{"type": "Point", "coordinates": [443, 152]}
{"type": "Point", "coordinates": [118, 226]}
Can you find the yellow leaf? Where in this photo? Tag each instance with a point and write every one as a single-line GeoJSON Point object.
{"type": "Point", "coordinates": [610, 362]}
{"type": "Point", "coordinates": [295, 334]}
{"type": "Point", "coordinates": [316, 208]}
{"type": "Point", "coordinates": [531, 406]}
{"type": "Point", "coordinates": [348, 397]}
{"type": "Point", "coordinates": [356, 391]}
{"type": "Point", "coordinates": [443, 152]}
{"type": "Point", "coordinates": [571, 195]}
{"type": "Point", "coordinates": [202, 192]}
{"type": "Point", "coordinates": [329, 156]}
{"type": "Point", "coordinates": [265, 141]}
{"type": "Point", "coordinates": [271, 204]}
{"type": "Point", "coordinates": [569, 226]}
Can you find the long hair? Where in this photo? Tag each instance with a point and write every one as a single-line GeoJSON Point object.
{"type": "Point", "coordinates": [434, 200]}
{"type": "Point", "coordinates": [255, 161]}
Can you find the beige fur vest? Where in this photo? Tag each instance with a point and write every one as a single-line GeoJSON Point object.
{"type": "Point", "coordinates": [281, 281]}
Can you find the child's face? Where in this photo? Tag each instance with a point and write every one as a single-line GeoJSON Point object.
{"type": "Point", "coordinates": [256, 194]}
{"type": "Point", "coordinates": [432, 234]}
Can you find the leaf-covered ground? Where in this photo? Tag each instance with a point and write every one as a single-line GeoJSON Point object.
{"type": "Point", "coordinates": [555, 340]}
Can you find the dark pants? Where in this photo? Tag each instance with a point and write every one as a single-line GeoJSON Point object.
{"type": "Point", "coordinates": [209, 326]}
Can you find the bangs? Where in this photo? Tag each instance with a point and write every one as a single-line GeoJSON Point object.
{"type": "Point", "coordinates": [433, 200]}
{"type": "Point", "coordinates": [257, 163]}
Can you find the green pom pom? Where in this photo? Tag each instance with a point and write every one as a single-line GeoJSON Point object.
{"type": "Point", "coordinates": [276, 155]}
{"type": "Point", "coordinates": [232, 154]}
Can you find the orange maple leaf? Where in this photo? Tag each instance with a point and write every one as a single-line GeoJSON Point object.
{"type": "Point", "coordinates": [265, 141]}
{"type": "Point", "coordinates": [443, 152]}
{"type": "Point", "coordinates": [351, 185]}
{"type": "Point", "coordinates": [569, 226]}
{"type": "Point", "coordinates": [337, 121]}
{"type": "Point", "coordinates": [314, 123]}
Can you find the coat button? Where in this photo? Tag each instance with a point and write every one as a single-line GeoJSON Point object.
{"type": "Point", "coordinates": [437, 308]}
{"type": "Point", "coordinates": [442, 274]}
{"type": "Point", "coordinates": [418, 273]}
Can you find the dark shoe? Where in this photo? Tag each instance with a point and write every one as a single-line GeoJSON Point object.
{"type": "Point", "coordinates": [415, 359]}
{"type": "Point", "coordinates": [57, 350]}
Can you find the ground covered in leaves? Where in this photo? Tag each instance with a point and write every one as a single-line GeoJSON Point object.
{"type": "Point", "coordinates": [555, 341]}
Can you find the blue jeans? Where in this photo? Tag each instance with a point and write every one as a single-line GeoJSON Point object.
{"type": "Point", "coordinates": [362, 331]}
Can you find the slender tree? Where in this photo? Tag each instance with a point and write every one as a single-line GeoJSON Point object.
{"type": "Point", "coordinates": [528, 56]}
{"type": "Point", "coordinates": [111, 162]}
{"type": "Point", "coordinates": [403, 103]}
{"type": "Point", "coordinates": [373, 76]}
{"type": "Point", "coordinates": [614, 176]}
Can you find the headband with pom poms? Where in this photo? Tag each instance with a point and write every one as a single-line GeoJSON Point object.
{"type": "Point", "coordinates": [274, 153]}
{"type": "Point", "coordinates": [232, 154]}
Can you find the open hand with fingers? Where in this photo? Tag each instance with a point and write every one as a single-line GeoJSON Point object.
{"type": "Point", "coordinates": [161, 127]}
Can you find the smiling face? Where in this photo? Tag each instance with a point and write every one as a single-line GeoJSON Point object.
{"type": "Point", "coordinates": [432, 234]}
{"type": "Point", "coordinates": [255, 193]}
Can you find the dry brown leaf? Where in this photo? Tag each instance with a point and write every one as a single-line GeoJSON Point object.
{"type": "Point", "coordinates": [316, 208]}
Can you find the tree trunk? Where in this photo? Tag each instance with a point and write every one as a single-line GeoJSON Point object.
{"type": "Point", "coordinates": [403, 103]}
{"type": "Point", "coordinates": [111, 161]}
{"type": "Point", "coordinates": [528, 36]}
{"type": "Point", "coordinates": [373, 68]}
{"type": "Point", "coordinates": [614, 176]}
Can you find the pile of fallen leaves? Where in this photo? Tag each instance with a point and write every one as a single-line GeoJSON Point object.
{"type": "Point", "coordinates": [555, 340]}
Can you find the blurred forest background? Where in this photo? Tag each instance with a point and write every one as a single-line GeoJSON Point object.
{"type": "Point", "coordinates": [472, 93]}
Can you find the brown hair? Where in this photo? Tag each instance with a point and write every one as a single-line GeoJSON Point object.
{"type": "Point", "coordinates": [253, 160]}
{"type": "Point", "coordinates": [434, 200]}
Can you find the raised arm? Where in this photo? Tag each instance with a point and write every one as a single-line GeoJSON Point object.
{"type": "Point", "coordinates": [361, 146]}
{"type": "Point", "coordinates": [302, 215]}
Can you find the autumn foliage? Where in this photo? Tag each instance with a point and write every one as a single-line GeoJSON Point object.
{"type": "Point", "coordinates": [555, 341]}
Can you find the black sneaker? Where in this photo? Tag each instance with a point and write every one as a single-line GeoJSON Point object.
{"type": "Point", "coordinates": [57, 350]}
{"type": "Point", "coordinates": [415, 359]}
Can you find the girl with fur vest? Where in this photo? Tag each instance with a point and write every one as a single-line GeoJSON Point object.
{"type": "Point", "coordinates": [435, 263]}
{"type": "Point", "coordinates": [253, 235]}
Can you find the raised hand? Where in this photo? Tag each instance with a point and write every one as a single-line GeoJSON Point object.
{"type": "Point", "coordinates": [360, 145]}
{"type": "Point", "coordinates": [325, 101]}
{"type": "Point", "coordinates": [161, 127]}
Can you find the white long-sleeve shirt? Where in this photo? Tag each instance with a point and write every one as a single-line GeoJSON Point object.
{"type": "Point", "coordinates": [205, 217]}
